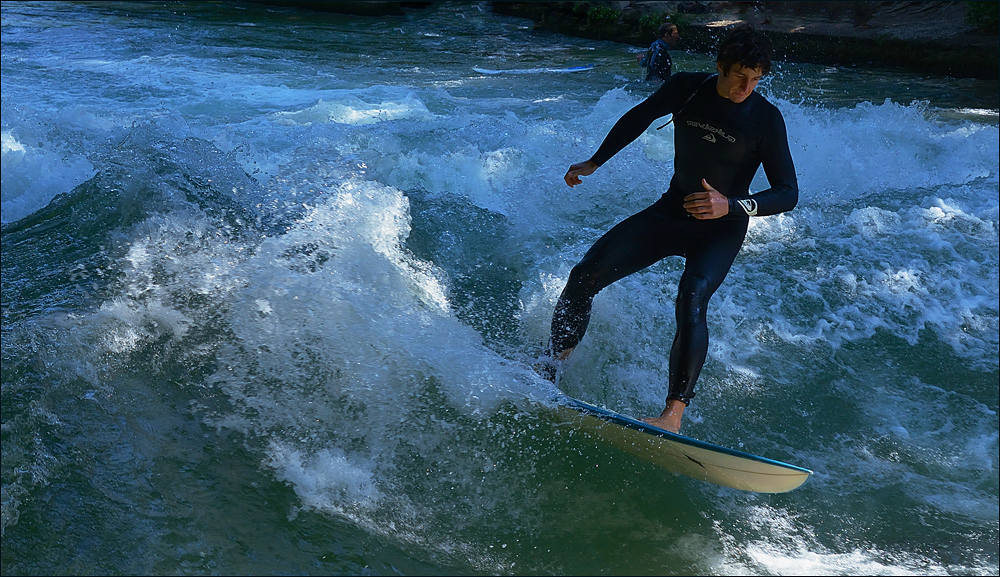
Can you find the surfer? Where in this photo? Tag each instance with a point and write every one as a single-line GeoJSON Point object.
{"type": "Point", "coordinates": [723, 132]}
{"type": "Point", "coordinates": [657, 60]}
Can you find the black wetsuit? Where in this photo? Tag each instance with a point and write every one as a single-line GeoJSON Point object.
{"type": "Point", "coordinates": [657, 61]}
{"type": "Point", "coordinates": [715, 139]}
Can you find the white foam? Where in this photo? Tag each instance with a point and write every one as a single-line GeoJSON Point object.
{"type": "Point", "coordinates": [355, 110]}
{"type": "Point", "coordinates": [326, 479]}
{"type": "Point", "coordinates": [376, 306]}
{"type": "Point", "coordinates": [844, 154]}
{"type": "Point", "coordinates": [786, 545]}
{"type": "Point", "coordinates": [33, 175]}
{"type": "Point", "coordinates": [777, 560]}
{"type": "Point", "coordinates": [339, 333]}
{"type": "Point", "coordinates": [922, 266]}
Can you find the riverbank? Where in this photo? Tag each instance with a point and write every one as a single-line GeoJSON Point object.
{"type": "Point", "coordinates": [933, 37]}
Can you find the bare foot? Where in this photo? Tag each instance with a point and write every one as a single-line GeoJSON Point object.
{"type": "Point", "coordinates": [670, 418]}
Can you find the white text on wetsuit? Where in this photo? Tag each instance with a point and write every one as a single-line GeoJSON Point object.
{"type": "Point", "coordinates": [711, 128]}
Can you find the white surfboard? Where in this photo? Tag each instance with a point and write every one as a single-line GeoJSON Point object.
{"type": "Point", "coordinates": [684, 455]}
{"type": "Point", "coordinates": [583, 68]}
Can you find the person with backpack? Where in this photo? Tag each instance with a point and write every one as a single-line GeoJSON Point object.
{"type": "Point", "coordinates": [657, 62]}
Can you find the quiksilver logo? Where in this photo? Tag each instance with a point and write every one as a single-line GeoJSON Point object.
{"type": "Point", "coordinates": [749, 206]}
{"type": "Point", "coordinates": [712, 131]}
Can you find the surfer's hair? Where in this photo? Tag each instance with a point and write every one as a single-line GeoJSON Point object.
{"type": "Point", "coordinates": [747, 47]}
{"type": "Point", "coordinates": [664, 29]}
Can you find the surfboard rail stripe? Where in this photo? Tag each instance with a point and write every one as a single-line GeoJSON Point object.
{"type": "Point", "coordinates": [697, 459]}
{"type": "Point", "coordinates": [631, 423]}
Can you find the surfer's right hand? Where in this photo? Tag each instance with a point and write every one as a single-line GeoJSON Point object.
{"type": "Point", "coordinates": [585, 168]}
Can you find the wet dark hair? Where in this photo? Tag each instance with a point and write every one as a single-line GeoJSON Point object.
{"type": "Point", "coordinates": [664, 28]}
{"type": "Point", "coordinates": [747, 47]}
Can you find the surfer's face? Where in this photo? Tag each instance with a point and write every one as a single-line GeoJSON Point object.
{"type": "Point", "coordinates": [739, 83]}
{"type": "Point", "coordinates": [672, 36]}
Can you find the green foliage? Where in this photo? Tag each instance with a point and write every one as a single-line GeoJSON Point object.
{"type": "Point", "coordinates": [681, 20]}
{"type": "Point", "coordinates": [653, 20]}
{"type": "Point", "coordinates": [984, 15]}
{"type": "Point", "coordinates": [602, 15]}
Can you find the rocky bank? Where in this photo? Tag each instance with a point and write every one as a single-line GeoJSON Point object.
{"type": "Point", "coordinates": [938, 38]}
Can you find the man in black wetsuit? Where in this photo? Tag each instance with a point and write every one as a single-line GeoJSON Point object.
{"type": "Point", "coordinates": [723, 132]}
{"type": "Point", "coordinates": [657, 60]}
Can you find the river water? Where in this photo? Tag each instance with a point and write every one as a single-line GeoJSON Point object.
{"type": "Point", "coordinates": [273, 281]}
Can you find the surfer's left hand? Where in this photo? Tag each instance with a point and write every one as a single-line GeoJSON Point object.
{"type": "Point", "coordinates": [708, 204]}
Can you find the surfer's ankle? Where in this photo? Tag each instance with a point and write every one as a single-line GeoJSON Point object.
{"type": "Point", "coordinates": [562, 355]}
{"type": "Point", "coordinates": [550, 364]}
{"type": "Point", "coordinates": [546, 368]}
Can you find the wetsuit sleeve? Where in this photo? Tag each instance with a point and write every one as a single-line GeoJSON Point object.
{"type": "Point", "coordinates": [777, 161]}
{"type": "Point", "coordinates": [634, 122]}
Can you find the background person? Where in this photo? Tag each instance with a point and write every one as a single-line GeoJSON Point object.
{"type": "Point", "coordinates": [656, 61]}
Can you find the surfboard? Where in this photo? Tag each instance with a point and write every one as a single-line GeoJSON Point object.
{"type": "Point", "coordinates": [583, 68]}
{"type": "Point", "coordinates": [684, 455]}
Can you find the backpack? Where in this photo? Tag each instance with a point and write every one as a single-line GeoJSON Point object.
{"type": "Point", "coordinates": [657, 62]}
